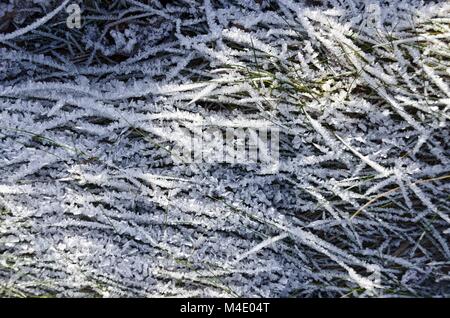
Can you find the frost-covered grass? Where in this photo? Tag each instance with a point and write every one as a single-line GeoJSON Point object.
{"type": "Point", "coordinates": [93, 204]}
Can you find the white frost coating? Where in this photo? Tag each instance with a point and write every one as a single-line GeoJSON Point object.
{"type": "Point", "coordinates": [261, 245]}
{"type": "Point", "coordinates": [34, 25]}
{"type": "Point", "coordinates": [92, 203]}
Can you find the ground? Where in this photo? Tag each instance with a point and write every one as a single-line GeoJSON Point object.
{"type": "Point", "coordinates": [99, 99]}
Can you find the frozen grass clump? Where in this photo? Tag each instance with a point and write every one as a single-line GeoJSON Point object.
{"type": "Point", "coordinates": [93, 204]}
